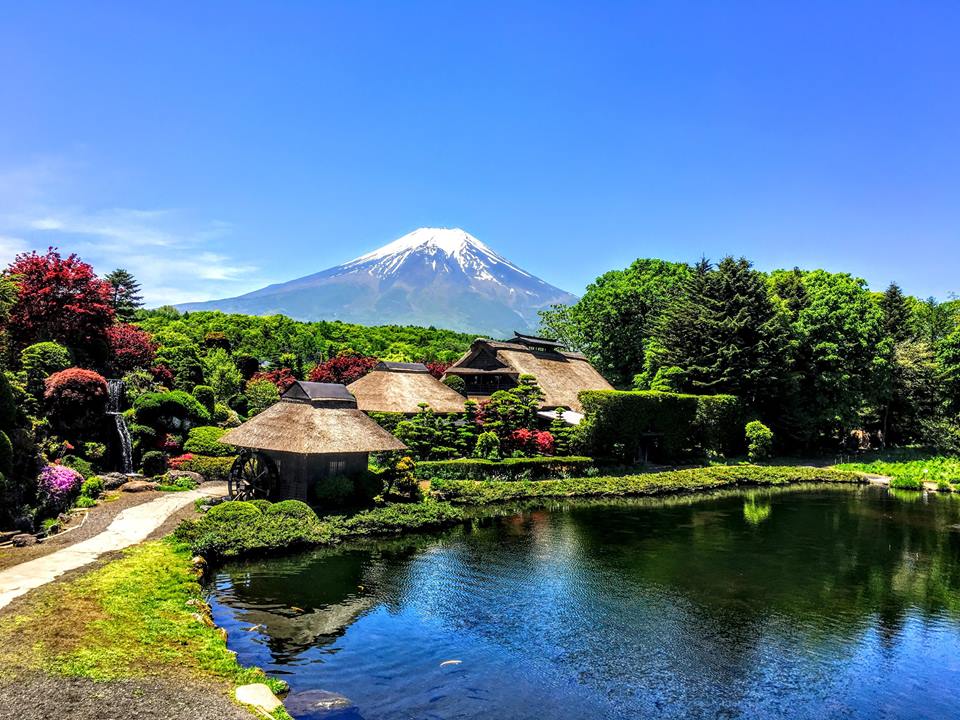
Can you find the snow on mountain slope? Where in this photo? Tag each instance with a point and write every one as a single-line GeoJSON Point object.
{"type": "Point", "coordinates": [432, 276]}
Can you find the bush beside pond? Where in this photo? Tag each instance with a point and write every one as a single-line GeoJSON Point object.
{"type": "Point", "coordinates": [532, 468]}
{"type": "Point", "coordinates": [473, 492]}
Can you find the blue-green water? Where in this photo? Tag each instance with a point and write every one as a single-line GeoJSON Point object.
{"type": "Point", "coordinates": [813, 603]}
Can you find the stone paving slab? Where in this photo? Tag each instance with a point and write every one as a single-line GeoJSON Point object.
{"type": "Point", "coordinates": [130, 527]}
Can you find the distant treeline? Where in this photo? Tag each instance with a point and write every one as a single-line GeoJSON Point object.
{"type": "Point", "coordinates": [816, 355]}
{"type": "Point", "coordinates": [277, 340]}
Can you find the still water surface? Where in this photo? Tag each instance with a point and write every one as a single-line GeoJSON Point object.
{"type": "Point", "coordinates": [797, 603]}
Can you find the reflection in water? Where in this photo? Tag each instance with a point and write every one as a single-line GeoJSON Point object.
{"type": "Point", "coordinates": [771, 603]}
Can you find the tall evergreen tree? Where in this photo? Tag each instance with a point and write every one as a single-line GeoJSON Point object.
{"type": "Point", "coordinates": [126, 296]}
{"type": "Point", "coordinates": [897, 315]}
{"type": "Point", "coordinates": [727, 333]}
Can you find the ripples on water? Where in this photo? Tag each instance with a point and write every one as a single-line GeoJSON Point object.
{"type": "Point", "coordinates": [788, 604]}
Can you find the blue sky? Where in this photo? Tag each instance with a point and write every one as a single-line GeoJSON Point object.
{"type": "Point", "coordinates": [212, 148]}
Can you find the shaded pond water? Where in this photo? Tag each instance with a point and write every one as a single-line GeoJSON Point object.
{"type": "Point", "coordinates": [793, 603]}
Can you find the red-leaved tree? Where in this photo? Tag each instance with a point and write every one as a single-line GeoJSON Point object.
{"type": "Point", "coordinates": [282, 377]}
{"type": "Point", "coordinates": [342, 369]}
{"type": "Point", "coordinates": [60, 299]}
{"type": "Point", "coordinates": [77, 399]}
{"type": "Point", "coordinates": [437, 369]}
{"type": "Point", "coordinates": [130, 348]}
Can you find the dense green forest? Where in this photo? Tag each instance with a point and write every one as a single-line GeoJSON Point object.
{"type": "Point", "coordinates": [816, 355]}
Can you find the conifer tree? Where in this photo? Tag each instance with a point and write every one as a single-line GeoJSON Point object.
{"type": "Point", "coordinates": [126, 298]}
{"type": "Point", "coordinates": [897, 316]}
{"type": "Point", "coordinates": [726, 333]}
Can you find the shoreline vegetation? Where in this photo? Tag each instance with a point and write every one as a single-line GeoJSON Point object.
{"type": "Point", "coordinates": [144, 614]}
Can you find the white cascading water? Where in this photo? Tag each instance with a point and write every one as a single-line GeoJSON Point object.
{"type": "Point", "coordinates": [115, 388]}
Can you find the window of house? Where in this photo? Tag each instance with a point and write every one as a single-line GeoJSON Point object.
{"type": "Point", "coordinates": [338, 467]}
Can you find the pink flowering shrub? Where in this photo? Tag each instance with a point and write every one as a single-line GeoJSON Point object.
{"type": "Point", "coordinates": [57, 485]}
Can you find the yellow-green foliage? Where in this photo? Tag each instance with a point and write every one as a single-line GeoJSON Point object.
{"type": "Point", "coordinates": [911, 472]}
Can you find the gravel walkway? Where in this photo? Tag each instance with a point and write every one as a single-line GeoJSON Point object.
{"type": "Point", "coordinates": [129, 527]}
{"type": "Point", "coordinates": [39, 696]}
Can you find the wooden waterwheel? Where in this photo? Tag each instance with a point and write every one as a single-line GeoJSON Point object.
{"type": "Point", "coordinates": [253, 475]}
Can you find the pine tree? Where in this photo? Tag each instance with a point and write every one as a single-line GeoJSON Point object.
{"type": "Point", "coordinates": [897, 316]}
{"type": "Point", "coordinates": [727, 333]}
{"type": "Point", "coordinates": [126, 296]}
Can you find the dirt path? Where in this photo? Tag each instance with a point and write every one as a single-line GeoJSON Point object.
{"type": "Point", "coordinates": [128, 527]}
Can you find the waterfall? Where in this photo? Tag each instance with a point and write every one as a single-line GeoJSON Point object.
{"type": "Point", "coordinates": [115, 388]}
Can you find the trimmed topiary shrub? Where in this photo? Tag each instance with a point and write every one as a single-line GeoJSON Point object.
{"type": "Point", "coordinates": [487, 447]}
{"type": "Point", "coordinates": [335, 491]}
{"type": "Point", "coordinates": [261, 504]}
{"type": "Point", "coordinates": [205, 440]}
{"type": "Point", "coordinates": [41, 360]}
{"type": "Point", "coordinates": [77, 399]}
{"type": "Point", "coordinates": [293, 509]}
{"type": "Point", "coordinates": [455, 382]}
{"type": "Point", "coordinates": [619, 424]}
{"type": "Point", "coordinates": [174, 410]}
{"type": "Point", "coordinates": [233, 511]}
{"type": "Point", "coordinates": [212, 468]}
{"type": "Point", "coordinates": [759, 441]}
{"type": "Point", "coordinates": [205, 396]}
{"type": "Point", "coordinates": [153, 463]}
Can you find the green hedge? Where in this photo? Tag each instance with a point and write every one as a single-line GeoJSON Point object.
{"type": "Point", "coordinates": [616, 421]}
{"type": "Point", "coordinates": [212, 468]}
{"type": "Point", "coordinates": [205, 440]}
{"type": "Point", "coordinates": [533, 468]}
{"type": "Point", "coordinates": [472, 492]}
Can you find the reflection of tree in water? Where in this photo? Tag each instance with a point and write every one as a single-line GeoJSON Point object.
{"type": "Point", "coordinates": [309, 600]}
{"type": "Point", "coordinates": [702, 592]}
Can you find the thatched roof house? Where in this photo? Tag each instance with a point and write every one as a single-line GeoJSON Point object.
{"type": "Point", "coordinates": [394, 387]}
{"type": "Point", "coordinates": [315, 431]}
{"type": "Point", "coordinates": [490, 365]}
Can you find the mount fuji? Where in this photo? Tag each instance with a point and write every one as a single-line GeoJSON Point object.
{"type": "Point", "coordinates": [443, 277]}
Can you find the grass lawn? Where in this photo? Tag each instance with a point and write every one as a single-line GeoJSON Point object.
{"type": "Point", "coordinates": [910, 469]}
{"type": "Point", "coordinates": [139, 616]}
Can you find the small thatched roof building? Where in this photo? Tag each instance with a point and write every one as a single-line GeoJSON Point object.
{"type": "Point", "coordinates": [490, 366]}
{"type": "Point", "coordinates": [315, 431]}
{"type": "Point", "coordinates": [395, 387]}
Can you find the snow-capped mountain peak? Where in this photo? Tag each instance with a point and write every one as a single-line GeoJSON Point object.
{"type": "Point", "coordinates": [432, 276]}
{"type": "Point", "coordinates": [462, 248]}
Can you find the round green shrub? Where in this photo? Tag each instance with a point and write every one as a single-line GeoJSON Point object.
{"type": "Point", "coordinates": [205, 440]}
{"type": "Point", "coordinates": [205, 396]}
{"type": "Point", "coordinates": [154, 463]}
{"type": "Point", "coordinates": [234, 510]}
{"type": "Point", "coordinates": [293, 509]}
{"type": "Point", "coordinates": [488, 446]}
{"type": "Point", "coordinates": [759, 441]}
{"type": "Point", "coordinates": [92, 487]}
{"type": "Point", "coordinates": [79, 464]}
{"type": "Point", "coordinates": [261, 503]}
{"type": "Point", "coordinates": [6, 455]}
{"type": "Point", "coordinates": [457, 383]}
{"type": "Point", "coordinates": [41, 360]}
{"type": "Point", "coordinates": [172, 410]}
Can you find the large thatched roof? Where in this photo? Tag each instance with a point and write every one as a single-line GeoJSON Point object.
{"type": "Point", "coordinates": [304, 428]}
{"type": "Point", "coordinates": [561, 375]}
{"type": "Point", "coordinates": [401, 387]}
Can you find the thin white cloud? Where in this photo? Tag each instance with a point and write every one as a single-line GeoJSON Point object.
{"type": "Point", "coordinates": [176, 257]}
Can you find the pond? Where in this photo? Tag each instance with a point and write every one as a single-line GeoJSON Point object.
{"type": "Point", "coordinates": [814, 602]}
